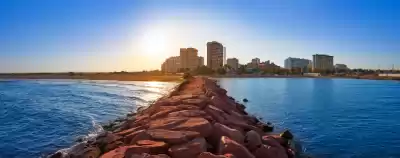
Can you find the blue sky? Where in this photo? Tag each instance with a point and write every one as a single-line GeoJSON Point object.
{"type": "Point", "coordinates": [100, 35]}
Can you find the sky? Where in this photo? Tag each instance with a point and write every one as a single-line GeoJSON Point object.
{"type": "Point", "coordinates": [135, 35]}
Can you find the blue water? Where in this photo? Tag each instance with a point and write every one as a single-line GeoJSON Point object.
{"type": "Point", "coordinates": [333, 118]}
{"type": "Point", "coordinates": [40, 117]}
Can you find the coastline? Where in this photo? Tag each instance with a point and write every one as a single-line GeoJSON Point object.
{"type": "Point", "coordinates": [197, 119]}
{"type": "Point", "coordinates": [142, 76]}
{"type": "Point", "coordinates": [301, 76]}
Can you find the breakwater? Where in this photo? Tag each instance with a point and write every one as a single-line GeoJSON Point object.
{"type": "Point", "coordinates": [196, 120]}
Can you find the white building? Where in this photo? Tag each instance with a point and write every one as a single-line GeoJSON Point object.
{"type": "Point", "coordinates": [291, 63]}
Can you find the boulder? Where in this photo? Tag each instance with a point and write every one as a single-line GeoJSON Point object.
{"type": "Point", "coordinates": [252, 140]}
{"type": "Point", "coordinates": [222, 130]}
{"type": "Point", "coordinates": [230, 146]}
{"type": "Point", "coordinates": [172, 137]}
{"type": "Point", "coordinates": [145, 155]}
{"type": "Point", "coordinates": [190, 149]}
{"type": "Point", "coordinates": [130, 130]}
{"type": "Point", "coordinates": [211, 155]}
{"type": "Point", "coordinates": [138, 135]}
{"type": "Point", "coordinates": [146, 146]}
{"type": "Point", "coordinates": [187, 113]}
{"type": "Point", "coordinates": [196, 124]}
{"type": "Point", "coordinates": [266, 151]}
{"type": "Point", "coordinates": [215, 113]}
{"type": "Point", "coordinates": [116, 153]}
{"type": "Point", "coordinates": [221, 104]}
{"type": "Point", "coordinates": [201, 103]}
{"type": "Point", "coordinates": [287, 135]}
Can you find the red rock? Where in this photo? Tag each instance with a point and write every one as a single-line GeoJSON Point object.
{"type": "Point", "coordinates": [188, 113]}
{"type": "Point", "coordinates": [266, 151]}
{"type": "Point", "coordinates": [196, 124]}
{"type": "Point", "coordinates": [232, 147]}
{"type": "Point", "coordinates": [164, 111]}
{"type": "Point", "coordinates": [252, 140]}
{"type": "Point", "coordinates": [172, 137]}
{"type": "Point", "coordinates": [190, 149]}
{"type": "Point", "coordinates": [145, 155]}
{"type": "Point", "coordinates": [116, 153]}
{"type": "Point", "coordinates": [112, 146]}
{"type": "Point", "coordinates": [128, 138]}
{"type": "Point", "coordinates": [219, 103]}
{"type": "Point", "coordinates": [130, 130]}
{"type": "Point", "coordinates": [146, 146]}
{"type": "Point", "coordinates": [210, 155]}
{"type": "Point", "coordinates": [222, 130]}
{"type": "Point", "coordinates": [274, 140]}
{"type": "Point", "coordinates": [198, 102]}
{"type": "Point", "coordinates": [215, 113]}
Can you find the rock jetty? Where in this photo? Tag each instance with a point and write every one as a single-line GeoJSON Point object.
{"type": "Point", "coordinates": [196, 120]}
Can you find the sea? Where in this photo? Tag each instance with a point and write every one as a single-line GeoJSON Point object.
{"type": "Point", "coordinates": [330, 118]}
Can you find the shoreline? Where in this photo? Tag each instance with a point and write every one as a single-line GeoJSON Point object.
{"type": "Point", "coordinates": [197, 119]}
{"type": "Point", "coordinates": [146, 76]}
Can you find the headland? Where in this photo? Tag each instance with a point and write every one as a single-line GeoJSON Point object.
{"type": "Point", "coordinates": [195, 120]}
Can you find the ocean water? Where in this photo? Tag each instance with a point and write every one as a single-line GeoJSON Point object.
{"type": "Point", "coordinates": [331, 118]}
{"type": "Point", "coordinates": [40, 117]}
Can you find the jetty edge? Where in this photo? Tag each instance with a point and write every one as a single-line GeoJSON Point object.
{"type": "Point", "coordinates": [195, 120]}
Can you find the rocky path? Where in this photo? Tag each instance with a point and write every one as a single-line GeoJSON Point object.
{"type": "Point", "coordinates": [197, 120]}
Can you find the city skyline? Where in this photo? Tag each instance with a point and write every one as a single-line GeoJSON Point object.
{"type": "Point", "coordinates": [63, 36]}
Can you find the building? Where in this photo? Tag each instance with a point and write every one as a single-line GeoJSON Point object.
{"type": "Point", "coordinates": [233, 63]}
{"type": "Point", "coordinates": [341, 67]}
{"type": "Point", "coordinates": [189, 59]}
{"type": "Point", "coordinates": [255, 61]}
{"type": "Point", "coordinates": [215, 55]}
{"type": "Point", "coordinates": [291, 63]}
{"type": "Point", "coordinates": [322, 62]}
{"type": "Point", "coordinates": [171, 65]}
{"type": "Point", "coordinates": [200, 61]}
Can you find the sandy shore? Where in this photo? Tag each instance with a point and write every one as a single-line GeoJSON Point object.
{"type": "Point", "coordinates": [97, 76]}
{"type": "Point", "coordinates": [196, 120]}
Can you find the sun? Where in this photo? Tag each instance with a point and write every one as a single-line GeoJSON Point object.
{"type": "Point", "coordinates": [154, 42]}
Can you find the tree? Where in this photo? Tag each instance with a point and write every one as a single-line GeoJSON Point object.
{"type": "Point", "coordinates": [221, 71]}
{"type": "Point", "coordinates": [204, 70]}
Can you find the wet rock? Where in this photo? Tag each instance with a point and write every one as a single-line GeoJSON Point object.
{"type": "Point", "coordinates": [252, 140]}
{"type": "Point", "coordinates": [84, 150]}
{"type": "Point", "coordinates": [245, 100]}
{"type": "Point", "coordinates": [146, 146]}
{"type": "Point", "coordinates": [172, 137]}
{"type": "Point", "coordinates": [196, 124]}
{"type": "Point", "coordinates": [230, 146]}
{"type": "Point", "coordinates": [266, 127]}
{"type": "Point", "coordinates": [190, 149]}
{"type": "Point", "coordinates": [287, 135]}
{"type": "Point", "coordinates": [266, 151]}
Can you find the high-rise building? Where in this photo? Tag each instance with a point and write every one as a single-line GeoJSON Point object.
{"type": "Point", "coordinates": [322, 62]}
{"type": "Point", "coordinates": [189, 58]}
{"type": "Point", "coordinates": [291, 63]}
{"type": "Point", "coordinates": [201, 61]}
{"type": "Point", "coordinates": [233, 63]}
{"type": "Point", "coordinates": [215, 55]}
{"type": "Point", "coordinates": [171, 65]}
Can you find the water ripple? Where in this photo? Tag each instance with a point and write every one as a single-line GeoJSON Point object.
{"type": "Point", "coordinates": [38, 117]}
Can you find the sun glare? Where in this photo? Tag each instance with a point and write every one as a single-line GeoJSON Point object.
{"type": "Point", "coordinates": [154, 42]}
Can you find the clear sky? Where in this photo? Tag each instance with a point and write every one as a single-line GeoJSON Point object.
{"type": "Point", "coordinates": [132, 35]}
